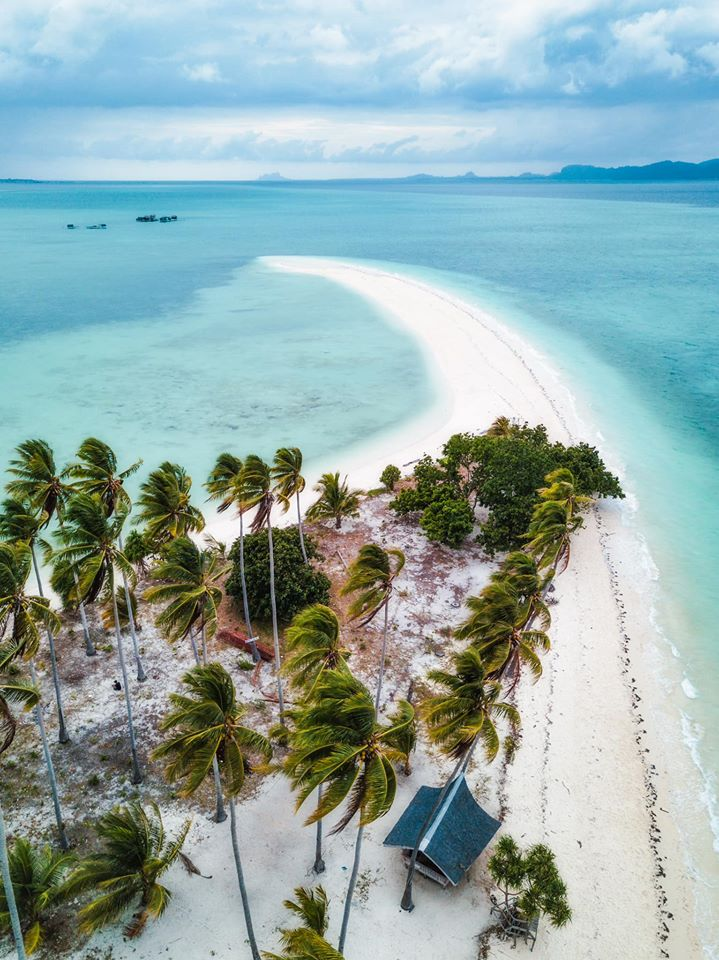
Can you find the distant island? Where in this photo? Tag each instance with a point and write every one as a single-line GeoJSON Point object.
{"type": "Point", "coordinates": [271, 177]}
{"type": "Point", "coordinates": [664, 170]}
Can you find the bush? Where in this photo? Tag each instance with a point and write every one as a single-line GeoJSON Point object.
{"type": "Point", "coordinates": [389, 476]}
{"type": "Point", "coordinates": [297, 584]}
{"type": "Point", "coordinates": [448, 521]}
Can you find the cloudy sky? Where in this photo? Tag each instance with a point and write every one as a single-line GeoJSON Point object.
{"type": "Point", "coordinates": [329, 88]}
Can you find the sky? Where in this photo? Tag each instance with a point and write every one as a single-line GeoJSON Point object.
{"type": "Point", "coordinates": [233, 89]}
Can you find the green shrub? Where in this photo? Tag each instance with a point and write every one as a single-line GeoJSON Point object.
{"type": "Point", "coordinates": [448, 521]}
{"type": "Point", "coordinates": [389, 476]}
{"type": "Point", "coordinates": [297, 584]}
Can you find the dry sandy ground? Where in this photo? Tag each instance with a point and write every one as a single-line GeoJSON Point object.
{"type": "Point", "coordinates": [589, 777]}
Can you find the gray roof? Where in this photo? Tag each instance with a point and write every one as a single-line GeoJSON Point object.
{"type": "Point", "coordinates": [458, 833]}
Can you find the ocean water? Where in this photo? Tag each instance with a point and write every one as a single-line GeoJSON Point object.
{"type": "Point", "coordinates": [173, 341]}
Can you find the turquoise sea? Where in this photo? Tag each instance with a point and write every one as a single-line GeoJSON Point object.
{"type": "Point", "coordinates": [172, 341]}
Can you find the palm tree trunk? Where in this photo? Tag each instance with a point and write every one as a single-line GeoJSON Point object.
{"type": "Point", "coordinates": [136, 773]}
{"type": "Point", "coordinates": [299, 526]}
{"type": "Point", "coordinates": [380, 679]}
{"type": "Point", "coordinates": [194, 648]}
{"type": "Point", "coordinates": [141, 675]}
{"type": "Point", "coordinates": [319, 865]}
{"type": "Point", "coordinates": [351, 890]}
{"type": "Point", "coordinates": [62, 735]}
{"type": "Point", "coordinates": [245, 603]}
{"type": "Point", "coordinates": [90, 650]}
{"type": "Point", "coordinates": [204, 645]}
{"type": "Point", "coordinates": [64, 845]}
{"type": "Point", "coordinates": [459, 768]}
{"type": "Point", "coordinates": [275, 633]}
{"type": "Point", "coordinates": [241, 881]}
{"type": "Point", "coordinates": [10, 892]}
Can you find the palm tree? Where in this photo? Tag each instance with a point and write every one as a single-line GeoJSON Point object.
{"type": "Point", "coordinates": [459, 718]}
{"type": "Point", "coordinates": [206, 724]}
{"type": "Point", "coordinates": [165, 506]}
{"type": "Point", "coordinates": [90, 544]}
{"type": "Point", "coordinates": [289, 483]}
{"type": "Point", "coordinates": [37, 878]}
{"type": "Point", "coordinates": [257, 485]}
{"type": "Point", "coordinates": [191, 577]}
{"type": "Point", "coordinates": [371, 578]}
{"type": "Point", "coordinates": [226, 484]}
{"type": "Point", "coordinates": [19, 526]}
{"type": "Point", "coordinates": [520, 571]}
{"type": "Point", "coordinates": [28, 615]}
{"type": "Point", "coordinates": [336, 501]}
{"type": "Point", "coordinates": [96, 473]}
{"type": "Point", "coordinates": [46, 489]}
{"type": "Point", "coordinates": [306, 942]}
{"type": "Point", "coordinates": [314, 646]}
{"type": "Point", "coordinates": [135, 853]}
{"type": "Point", "coordinates": [13, 690]}
{"type": "Point", "coordinates": [338, 742]}
{"type": "Point", "coordinates": [501, 427]}
{"type": "Point", "coordinates": [554, 519]}
{"type": "Point", "coordinates": [497, 627]}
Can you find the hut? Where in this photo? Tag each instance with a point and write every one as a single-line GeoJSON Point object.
{"type": "Point", "coordinates": [457, 834]}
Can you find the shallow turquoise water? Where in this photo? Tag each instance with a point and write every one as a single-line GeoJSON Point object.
{"type": "Point", "coordinates": [171, 341]}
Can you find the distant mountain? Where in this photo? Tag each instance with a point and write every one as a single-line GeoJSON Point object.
{"type": "Point", "coordinates": [664, 170]}
{"type": "Point", "coordinates": [274, 177]}
{"type": "Point", "coordinates": [17, 180]}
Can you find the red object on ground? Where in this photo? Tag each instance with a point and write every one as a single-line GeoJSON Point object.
{"type": "Point", "coordinates": [240, 640]}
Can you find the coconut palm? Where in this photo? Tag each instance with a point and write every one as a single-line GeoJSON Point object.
{"type": "Point", "coordinates": [206, 724]}
{"type": "Point", "coordinates": [226, 484]}
{"type": "Point", "coordinates": [457, 719]}
{"type": "Point", "coordinates": [519, 570]}
{"type": "Point", "coordinates": [14, 690]}
{"type": "Point", "coordinates": [404, 735]}
{"type": "Point", "coordinates": [371, 577]}
{"type": "Point", "coordinates": [314, 646]}
{"type": "Point", "coordinates": [38, 482]}
{"type": "Point", "coordinates": [258, 490]}
{"type": "Point", "coordinates": [90, 543]}
{"type": "Point", "coordinates": [164, 504]}
{"type": "Point", "coordinates": [336, 501]}
{"type": "Point", "coordinates": [306, 942]}
{"type": "Point", "coordinates": [96, 473]}
{"type": "Point", "coordinates": [19, 524]}
{"type": "Point", "coordinates": [339, 742]}
{"type": "Point", "coordinates": [135, 852]}
{"type": "Point", "coordinates": [497, 628]}
{"type": "Point", "coordinates": [37, 875]}
{"type": "Point", "coordinates": [25, 615]}
{"type": "Point", "coordinates": [289, 484]}
{"type": "Point", "coordinates": [555, 518]}
{"type": "Point", "coordinates": [191, 577]}
{"type": "Point", "coordinates": [501, 427]}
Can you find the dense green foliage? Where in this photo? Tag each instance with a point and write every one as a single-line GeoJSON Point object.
{"type": "Point", "coordinates": [501, 473]}
{"type": "Point", "coordinates": [389, 476]}
{"type": "Point", "coordinates": [298, 584]}
{"type": "Point", "coordinates": [532, 877]}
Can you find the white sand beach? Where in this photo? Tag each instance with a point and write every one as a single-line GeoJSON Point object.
{"type": "Point", "coordinates": [590, 778]}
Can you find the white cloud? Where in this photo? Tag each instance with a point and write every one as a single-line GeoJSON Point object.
{"type": "Point", "coordinates": [202, 72]}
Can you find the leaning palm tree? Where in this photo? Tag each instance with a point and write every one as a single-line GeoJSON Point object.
{"type": "Point", "coordinates": [164, 504]}
{"type": "Point", "coordinates": [226, 483]}
{"type": "Point", "coordinates": [371, 578]}
{"type": "Point", "coordinates": [14, 690]}
{"type": "Point", "coordinates": [37, 875]}
{"type": "Point", "coordinates": [19, 525]}
{"type": "Point", "coordinates": [519, 570]}
{"type": "Point", "coordinates": [555, 518]}
{"type": "Point", "coordinates": [25, 615]}
{"type": "Point", "coordinates": [258, 490]}
{"type": "Point", "coordinates": [306, 942]}
{"type": "Point", "coordinates": [206, 724]}
{"type": "Point", "coordinates": [89, 541]}
{"type": "Point", "coordinates": [96, 472]}
{"type": "Point", "coordinates": [314, 645]}
{"type": "Point", "coordinates": [336, 501]}
{"type": "Point", "coordinates": [289, 484]}
{"type": "Point", "coordinates": [191, 576]}
{"type": "Point", "coordinates": [497, 627]}
{"type": "Point", "coordinates": [134, 855]}
{"type": "Point", "coordinates": [38, 482]}
{"type": "Point", "coordinates": [459, 718]}
{"type": "Point", "coordinates": [339, 742]}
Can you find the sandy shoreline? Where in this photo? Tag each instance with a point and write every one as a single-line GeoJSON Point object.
{"type": "Point", "coordinates": [591, 777]}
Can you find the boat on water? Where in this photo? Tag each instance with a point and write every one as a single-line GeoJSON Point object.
{"type": "Point", "coordinates": [152, 218]}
